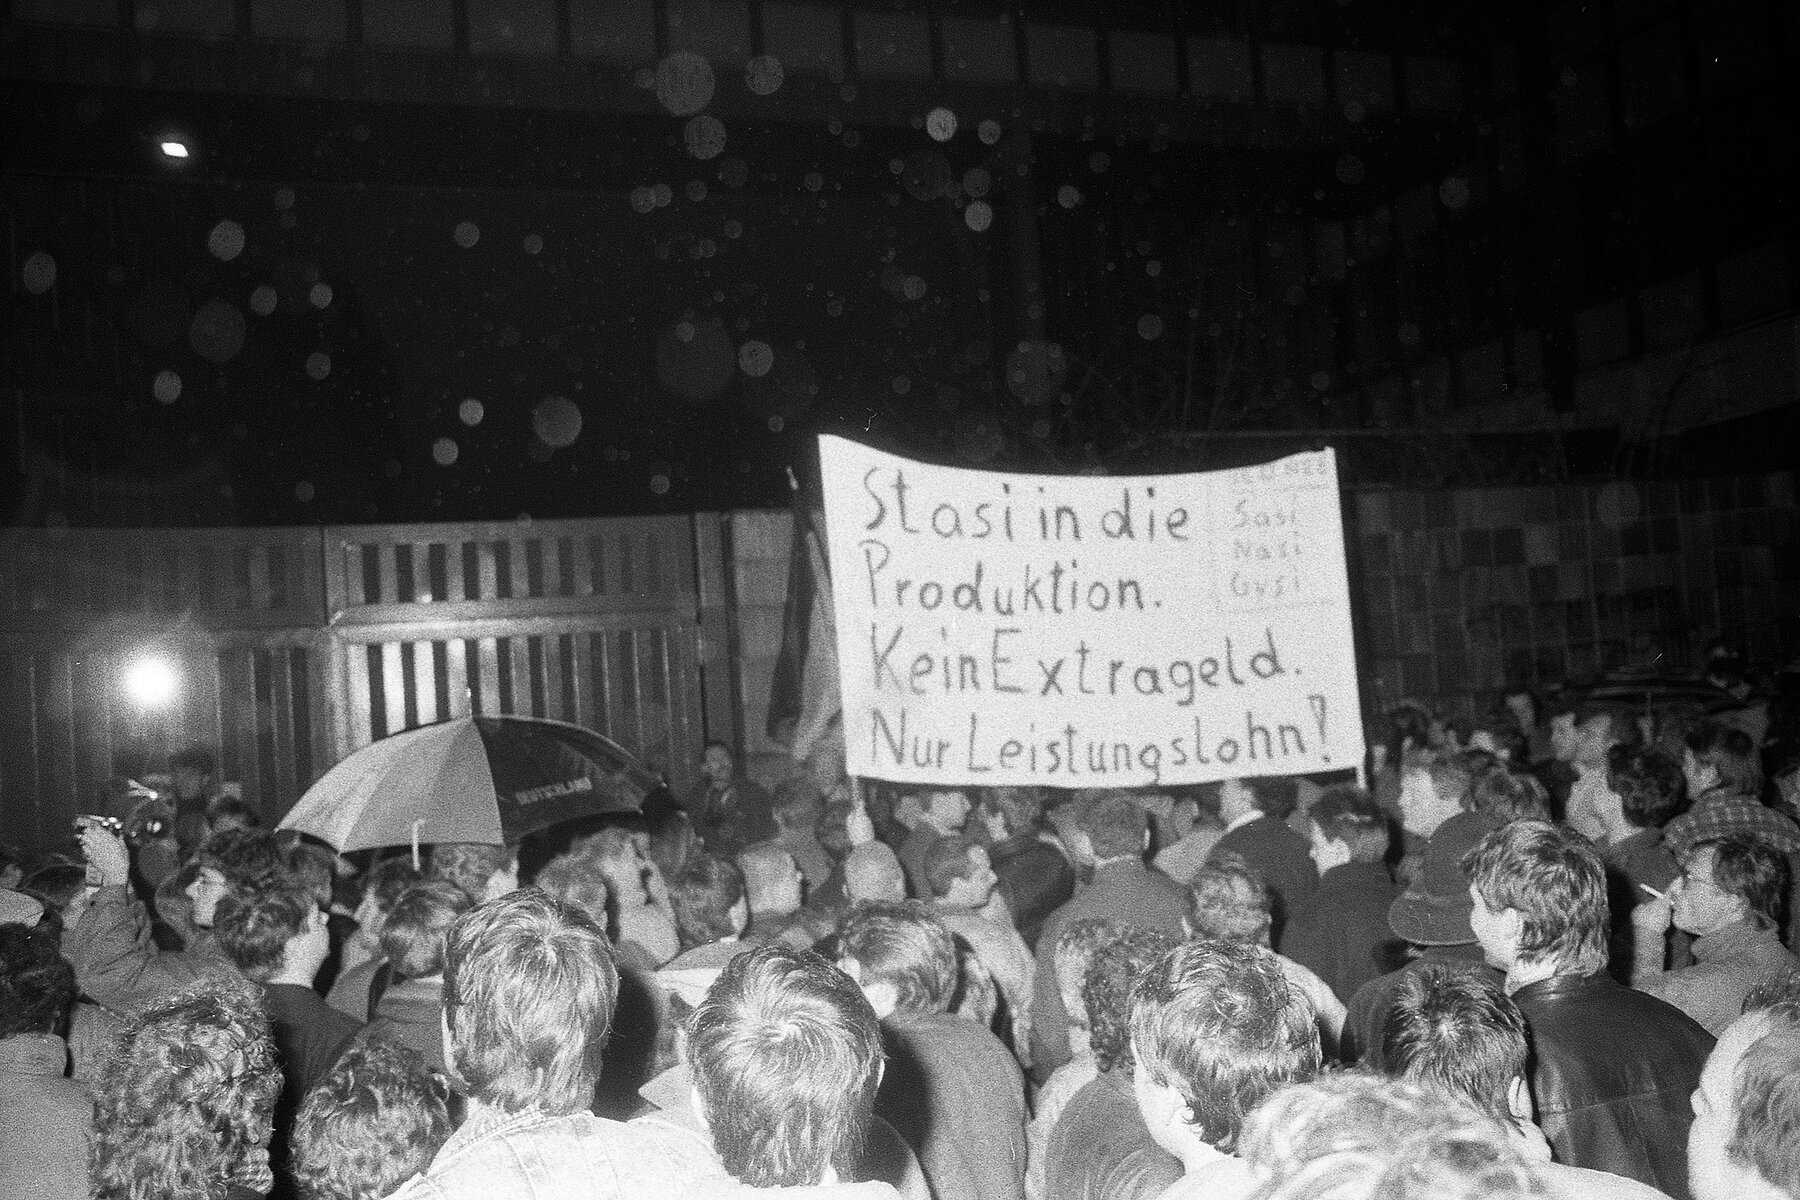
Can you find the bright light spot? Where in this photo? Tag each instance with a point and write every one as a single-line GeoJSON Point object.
{"type": "Point", "coordinates": [755, 358]}
{"type": "Point", "coordinates": [978, 216]}
{"type": "Point", "coordinates": [318, 364]}
{"type": "Point", "coordinates": [151, 682]}
{"type": "Point", "coordinates": [175, 149]}
{"type": "Point", "coordinates": [466, 234]}
{"type": "Point", "coordinates": [444, 452]}
{"type": "Point", "coordinates": [470, 411]}
{"type": "Point", "coordinates": [988, 132]}
{"type": "Point", "coordinates": [1068, 195]}
{"type": "Point", "coordinates": [941, 124]}
{"type": "Point", "coordinates": [557, 421]}
{"type": "Point", "coordinates": [166, 387]}
{"type": "Point", "coordinates": [226, 241]}
{"type": "Point", "coordinates": [320, 295]}
{"type": "Point", "coordinates": [763, 74]}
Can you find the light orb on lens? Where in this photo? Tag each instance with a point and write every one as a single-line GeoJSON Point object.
{"type": "Point", "coordinates": [1035, 371]}
{"type": "Point", "coordinates": [217, 332]}
{"type": "Point", "coordinates": [684, 83]}
{"type": "Point", "coordinates": [444, 452]}
{"type": "Point", "coordinates": [659, 483]}
{"type": "Point", "coordinates": [976, 181]}
{"type": "Point", "coordinates": [1150, 327]}
{"type": "Point", "coordinates": [755, 358]}
{"type": "Point", "coordinates": [557, 421]}
{"type": "Point", "coordinates": [471, 411]}
{"type": "Point", "coordinates": [978, 216]}
{"type": "Point", "coordinates": [318, 364]}
{"type": "Point", "coordinates": [38, 273]}
{"type": "Point", "coordinates": [1068, 195]}
{"type": "Point", "coordinates": [940, 123]}
{"type": "Point", "coordinates": [320, 295]}
{"type": "Point", "coordinates": [166, 387]}
{"type": "Point", "coordinates": [284, 199]}
{"type": "Point", "coordinates": [303, 491]}
{"type": "Point", "coordinates": [466, 233]}
{"type": "Point", "coordinates": [533, 244]}
{"type": "Point", "coordinates": [1454, 192]}
{"type": "Point", "coordinates": [263, 299]}
{"type": "Point", "coordinates": [763, 74]}
{"type": "Point", "coordinates": [704, 136]}
{"type": "Point", "coordinates": [643, 199]}
{"type": "Point", "coordinates": [226, 241]}
{"type": "Point", "coordinates": [988, 131]}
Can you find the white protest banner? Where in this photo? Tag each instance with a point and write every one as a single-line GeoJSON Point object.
{"type": "Point", "coordinates": [1003, 629]}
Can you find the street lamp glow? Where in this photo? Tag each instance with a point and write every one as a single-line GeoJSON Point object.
{"type": "Point", "coordinates": [151, 682]}
{"type": "Point", "coordinates": [175, 149]}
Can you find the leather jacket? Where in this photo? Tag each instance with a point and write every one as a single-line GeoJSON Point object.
{"type": "Point", "coordinates": [1613, 1071]}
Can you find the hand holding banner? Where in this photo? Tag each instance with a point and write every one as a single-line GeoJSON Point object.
{"type": "Point", "coordinates": [1005, 629]}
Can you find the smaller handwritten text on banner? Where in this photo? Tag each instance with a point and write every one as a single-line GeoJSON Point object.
{"type": "Point", "coordinates": [1005, 629]}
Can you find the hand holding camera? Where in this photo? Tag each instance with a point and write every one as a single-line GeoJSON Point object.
{"type": "Point", "coordinates": [109, 862]}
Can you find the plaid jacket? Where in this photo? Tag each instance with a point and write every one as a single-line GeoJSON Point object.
{"type": "Point", "coordinates": [1720, 813]}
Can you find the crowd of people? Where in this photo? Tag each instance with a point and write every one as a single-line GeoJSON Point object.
{"type": "Point", "coordinates": [1545, 956]}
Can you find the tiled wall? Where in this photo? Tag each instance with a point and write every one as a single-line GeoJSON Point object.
{"type": "Point", "coordinates": [1459, 593]}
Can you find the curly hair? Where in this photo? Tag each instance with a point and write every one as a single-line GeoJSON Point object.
{"type": "Point", "coordinates": [468, 865]}
{"type": "Point", "coordinates": [1649, 783]}
{"type": "Point", "coordinates": [704, 895]}
{"type": "Point", "coordinates": [1115, 967]}
{"type": "Point", "coordinates": [1362, 1136]}
{"type": "Point", "coordinates": [386, 880]}
{"type": "Point", "coordinates": [1504, 795]}
{"type": "Point", "coordinates": [1229, 901]}
{"type": "Point", "coordinates": [376, 1119]}
{"type": "Point", "coordinates": [183, 1105]}
{"type": "Point", "coordinates": [245, 857]}
{"type": "Point", "coordinates": [1070, 957]}
{"type": "Point", "coordinates": [576, 881]}
{"type": "Point", "coordinates": [37, 984]}
{"type": "Point", "coordinates": [1555, 880]}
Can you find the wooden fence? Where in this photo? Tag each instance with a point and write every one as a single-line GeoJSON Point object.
{"type": "Point", "coordinates": [293, 647]}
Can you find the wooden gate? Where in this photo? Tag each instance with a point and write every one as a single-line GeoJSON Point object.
{"type": "Point", "coordinates": [291, 647]}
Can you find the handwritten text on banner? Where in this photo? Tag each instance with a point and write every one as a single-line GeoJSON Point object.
{"type": "Point", "coordinates": [1090, 632]}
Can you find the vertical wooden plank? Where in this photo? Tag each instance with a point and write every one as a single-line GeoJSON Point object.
{"type": "Point", "coordinates": [361, 721]}
{"type": "Point", "coordinates": [487, 572]}
{"type": "Point", "coordinates": [238, 757]}
{"type": "Point", "coordinates": [581, 667]}
{"type": "Point", "coordinates": [425, 681]}
{"type": "Point", "coordinates": [90, 677]}
{"type": "Point", "coordinates": [456, 677]}
{"type": "Point", "coordinates": [393, 683]}
{"type": "Point", "coordinates": [524, 698]}
{"type": "Point", "coordinates": [19, 797]}
{"type": "Point", "coordinates": [387, 571]}
{"type": "Point", "coordinates": [582, 564]}
{"type": "Point", "coordinates": [715, 672]}
{"type": "Point", "coordinates": [555, 649]}
{"type": "Point", "coordinates": [453, 570]}
{"type": "Point", "coordinates": [283, 792]}
{"type": "Point", "coordinates": [487, 659]}
{"type": "Point", "coordinates": [519, 566]}
{"type": "Point", "coordinates": [425, 584]}
{"type": "Point", "coordinates": [551, 567]}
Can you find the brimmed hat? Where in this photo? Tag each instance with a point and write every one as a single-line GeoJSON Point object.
{"type": "Point", "coordinates": [16, 908]}
{"type": "Point", "coordinates": [1434, 911]}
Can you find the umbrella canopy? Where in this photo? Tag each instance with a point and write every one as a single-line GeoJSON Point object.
{"type": "Point", "coordinates": [473, 779]}
{"type": "Point", "coordinates": [1655, 691]}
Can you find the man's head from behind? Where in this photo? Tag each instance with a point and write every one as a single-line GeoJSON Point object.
{"type": "Point", "coordinates": [275, 931]}
{"type": "Point", "coordinates": [37, 984]}
{"type": "Point", "coordinates": [1346, 825]}
{"type": "Point", "coordinates": [413, 937]}
{"type": "Point", "coordinates": [1458, 1030]}
{"type": "Point", "coordinates": [710, 900]}
{"type": "Point", "coordinates": [1114, 826]}
{"type": "Point", "coordinates": [1229, 901]}
{"type": "Point", "coordinates": [529, 990]}
{"type": "Point", "coordinates": [1113, 970]}
{"type": "Point", "coordinates": [1539, 893]}
{"type": "Point", "coordinates": [1216, 1028]}
{"type": "Point", "coordinates": [1364, 1137]}
{"type": "Point", "coordinates": [375, 1120]}
{"type": "Point", "coordinates": [900, 955]}
{"type": "Point", "coordinates": [786, 1056]}
{"type": "Point", "coordinates": [959, 873]}
{"type": "Point", "coordinates": [873, 873]}
{"type": "Point", "coordinates": [1744, 1143]}
{"type": "Point", "coordinates": [772, 880]}
{"type": "Point", "coordinates": [1648, 784]}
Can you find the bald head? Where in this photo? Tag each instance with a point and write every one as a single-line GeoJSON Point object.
{"type": "Point", "coordinates": [873, 873]}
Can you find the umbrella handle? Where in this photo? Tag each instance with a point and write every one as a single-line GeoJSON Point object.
{"type": "Point", "coordinates": [415, 845]}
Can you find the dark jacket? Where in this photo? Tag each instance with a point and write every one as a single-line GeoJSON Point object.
{"type": "Point", "coordinates": [1344, 937]}
{"type": "Point", "coordinates": [117, 965]}
{"type": "Point", "coordinates": [957, 1097]}
{"type": "Point", "coordinates": [1035, 879]}
{"type": "Point", "coordinates": [1613, 1072]}
{"type": "Point", "coordinates": [1101, 1150]}
{"type": "Point", "coordinates": [729, 820]}
{"type": "Point", "coordinates": [1126, 892]}
{"type": "Point", "coordinates": [1374, 1000]}
{"type": "Point", "coordinates": [1284, 860]}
